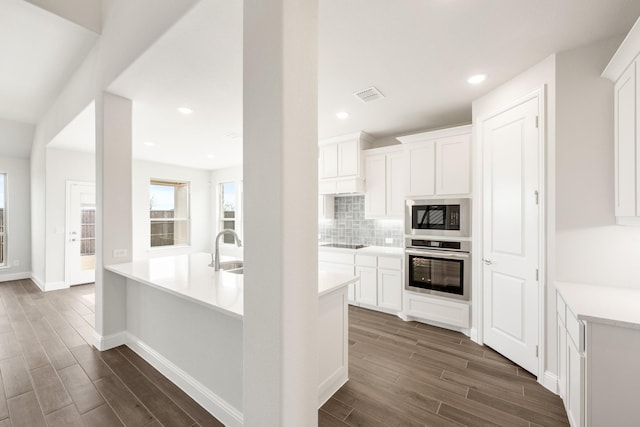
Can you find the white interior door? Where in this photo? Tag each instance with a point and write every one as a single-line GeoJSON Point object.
{"type": "Point", "coordinates": [511, 233]}
{"type": "Point", "coordinates": [80, 254]}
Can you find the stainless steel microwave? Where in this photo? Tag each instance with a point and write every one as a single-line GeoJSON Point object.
{"type": "Point", "coordinates": [438, 217]}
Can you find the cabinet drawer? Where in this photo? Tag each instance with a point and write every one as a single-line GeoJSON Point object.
{"type": "Point", "coordinates": [438, 310]}
{"type": "Point", "coordinates": [575, 329]}
{"type": "Point", "coordinates": [367, 260]}
{"type": "Point", "coordinates": [336, 268]}
{"type": "Point", "coordinates": [336, 257]}
{"type": "Point", "coordinates": [561, 309]}
{"type": "Point", "coordinates": [390, 263]}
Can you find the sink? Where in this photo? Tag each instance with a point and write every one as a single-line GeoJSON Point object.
{"type": "Point", "coordinates": [235, 266]}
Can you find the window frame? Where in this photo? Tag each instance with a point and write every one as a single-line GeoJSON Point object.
{"type": "Point", "coordinates": [187, 232]}
{"type": "Point", "coordinates": [238, 211]}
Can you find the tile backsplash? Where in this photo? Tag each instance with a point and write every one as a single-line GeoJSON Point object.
{"type": "Point", "coordinates": [350, 226]}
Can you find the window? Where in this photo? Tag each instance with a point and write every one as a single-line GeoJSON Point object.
{"type": "Point", "coordinates": [230, 218]}
{"type": "Point", "coordinates": [169, 213]}
{"type": "Point", "coordinates": [3, 219]}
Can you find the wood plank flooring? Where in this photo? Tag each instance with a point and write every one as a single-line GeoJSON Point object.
{"type": "Point", "coordinates": [51, 376]}
{"type": "Point", "coordinates": [412, 374]}
{"type": "Point", "coordinates": [401, 374]}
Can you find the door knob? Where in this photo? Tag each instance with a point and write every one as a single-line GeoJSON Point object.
{"type": "Point", "coordinates": [486, 261]}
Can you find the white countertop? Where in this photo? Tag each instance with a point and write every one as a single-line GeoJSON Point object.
{"type": "Point", "coordinates": [368, 250]}
{"type": "Point", "coordinates": [603, 304]}
{"type": "Point", "coordinates": [189, 276]}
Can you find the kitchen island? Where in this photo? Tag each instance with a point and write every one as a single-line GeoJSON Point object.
{"type": "Point", "coordinates": [186, 320]}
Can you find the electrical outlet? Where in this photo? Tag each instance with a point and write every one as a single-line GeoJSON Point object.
{"type": "Point", "coordinates": [119, 253]}
{"type": "Point", "coordinates": [388, 240]}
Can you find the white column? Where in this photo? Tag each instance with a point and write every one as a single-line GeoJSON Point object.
{"type": "Point", "coordinates": [280, 383]}
{"type": "Point", "coordinates": [113, 214]}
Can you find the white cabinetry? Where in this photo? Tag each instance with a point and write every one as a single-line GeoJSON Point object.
{"type": "Point", "coordinates": [623, 70]}
{"type": "Point", "coordinates": [339, 262]}
{"type": "Point", "coordinates": [380, 285]}
{"type": "Point", "coordinates": [326, 207]}
{"type": "Point", "coordinates": [439, 162]}
{"type": "Point", "coordinates": [430, 309]}
{"type": "Point", "coordinates": [385, 182]}
{"type": "Point", "coordinates": [571, 362]}
{"type": "Point", "coordinates": [340, 165]}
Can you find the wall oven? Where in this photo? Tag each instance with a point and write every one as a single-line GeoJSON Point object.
{"type": "Point", "coordinates": [438, 267]}
{"type": "Point", "coordinates": [437, 217]}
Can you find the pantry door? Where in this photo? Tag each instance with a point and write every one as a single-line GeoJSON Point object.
{"type": "Point", "coordinates": [511, 224]}
{"type": "Point", "coordinates": [80, 254]}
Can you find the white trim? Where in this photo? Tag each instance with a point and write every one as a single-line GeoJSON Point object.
{"type": "Point", "coordinates": [69, 184]}
{"type": "Point", "coordinates": [218, 407]}
{"type": "Point", "coordinates": [14, 276]}
{"type": "Point", "coordinates": [625, 55]}
{"type": "Point", "coordinates": [108, 342]}
{"type": "Point", "coordinates": [55, 286]}
{"type": "Point", "coordinates": [477, 298]}
{"type": "Point", "coordinates": [435, 134]}
{"type": "Point", "coordinates": [39, 282]}
{"type": "Point", "coordinates": [550, 381]}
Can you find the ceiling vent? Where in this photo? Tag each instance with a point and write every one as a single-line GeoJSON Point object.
{"type": "Point", "coordinates": [369, 94]}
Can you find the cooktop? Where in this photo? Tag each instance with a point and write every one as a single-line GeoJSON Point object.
{"type": "Point", "coordinates": [344, 245]}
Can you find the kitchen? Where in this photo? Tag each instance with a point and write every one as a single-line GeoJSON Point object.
{"type": "Point", "coordinates": [568, 230]}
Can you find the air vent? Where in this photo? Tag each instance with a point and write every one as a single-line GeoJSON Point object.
{"type": "Point", "coordinates": [369, 94]}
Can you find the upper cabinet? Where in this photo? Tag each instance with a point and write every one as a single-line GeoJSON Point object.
{"type": "Point", "coordinates": [439, 162]}
{"type": "Point", "coordinates": [386, 182]}
{"type": "Point", "coordinates": [340, 165]}
{"type": "Point", "coordinates": [623, 70]}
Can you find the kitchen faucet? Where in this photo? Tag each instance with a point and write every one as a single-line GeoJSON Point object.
{"type": "Point", "coordinates": [215, 259]}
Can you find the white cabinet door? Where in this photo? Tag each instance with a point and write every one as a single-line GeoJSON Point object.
{"type": "Point", "coordinates": [348, 158]}
{"type": "Point", "coordinates": [396, 184]}
{"type": "Point", "coordinates": [375, 199]}
{"type": "Point", "coordinates": [328, 161]}
{"type": "Point", "coordinates": [625, 144]}
{"type": "Point", "coordinates": [453, 165]}
{"type": "Point", "coordinates": [390, 289]}
{"type": "Point", "coordinates": [574, 402]}
{"type": "Point", "coordinates": [562, 359]}
{"type": "Point", "coordinates": [422, 175]}
{"type": "Point", "coordinates": [367, 292]}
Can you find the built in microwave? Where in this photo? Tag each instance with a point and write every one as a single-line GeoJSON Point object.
{"type": "Point", "coordinates": [438, 217]}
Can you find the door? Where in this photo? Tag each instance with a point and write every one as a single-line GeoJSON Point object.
{"type": "Point", "coordinates": [80, 255]}
{"type": "Point", "coordinates": [511, 233]}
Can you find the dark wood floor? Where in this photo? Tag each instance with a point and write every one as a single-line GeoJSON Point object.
{"type": "Point", "coordinates": [412, 374]}
{"type": "Point", "coordinates": [401, 374]}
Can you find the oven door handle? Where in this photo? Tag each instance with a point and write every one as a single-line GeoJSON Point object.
{"type": "Point", "coordinates": [443, 254]}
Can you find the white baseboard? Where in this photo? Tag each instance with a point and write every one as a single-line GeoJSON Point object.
{"type": "Point", "coordinates": [15, 276]}
{"type": "Point", "coordinates": [39, 282]}
{"type": "Point", "coordinates": [108, 342]}
{"type": "Point", "coordinates": [54, 286]}
{"type": "Point", "coordinates": [550, 381]}
{"type": "Point", "coordinates": [221, 409]}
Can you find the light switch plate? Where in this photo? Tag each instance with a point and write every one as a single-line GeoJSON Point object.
{"type": "Point", "coordinates": [119, 253]}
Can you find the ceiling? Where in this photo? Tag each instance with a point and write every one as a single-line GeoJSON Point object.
{"type": "Point", "coordinates": [418, 53]}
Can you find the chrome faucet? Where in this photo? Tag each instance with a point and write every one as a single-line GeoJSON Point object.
{"type": "Point", "coordinates": [215, 258]}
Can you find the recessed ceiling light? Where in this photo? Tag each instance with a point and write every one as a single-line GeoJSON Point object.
{"type": "Point", "coordinates": [149, 144]}
{"type": "Point", "coordinates": [342, 115]}
{"type": "Point", "coordinates": [476, 79]}
{"type": "Point", "coordinates": [185, 110]}
{"type": "Point", "coordinates": [209, 156]}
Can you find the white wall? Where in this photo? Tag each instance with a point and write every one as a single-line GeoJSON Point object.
{"type": "Point", "coordinates": [200, 200]}
{"type": "Point", "coordinates": [534, 78]}
{"type": "Point", "coordinates": [62, 166]}
{"type": "Point", "coordinates": [121, 42]}
{"type": "Point", "coordinates": [590, 248]}
{"type": "Point", "coordinates": [18, 204]}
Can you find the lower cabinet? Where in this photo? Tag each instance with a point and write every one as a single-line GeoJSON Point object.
{"type": "Point", "coordinates": [381, 280]}
{"type": "Point", "coordinates": [571, 362]}
{"type": "Point", "coordinates": [380, 286]}
{"type": "Point", "coordinates": [434, 309]}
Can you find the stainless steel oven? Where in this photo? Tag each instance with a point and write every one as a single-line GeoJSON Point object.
{"type": "Point", "coordinates": [438, 267]}
{"type": "Point", "coordinates": [437, 217]}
